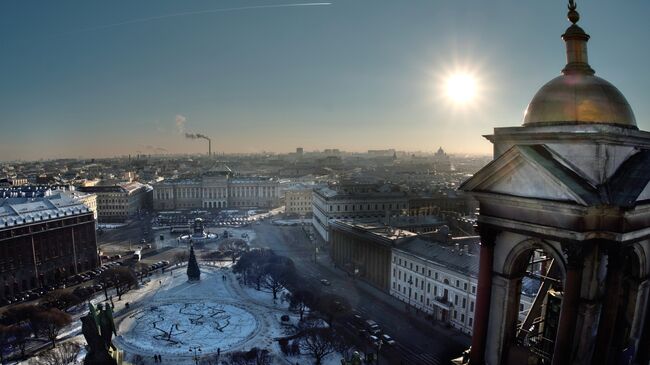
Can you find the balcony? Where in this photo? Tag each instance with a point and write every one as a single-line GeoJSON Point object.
{"type": "Point", "coordinates": [442, 302]}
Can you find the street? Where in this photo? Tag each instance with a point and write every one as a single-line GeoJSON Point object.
{"type": "Point", "coordinates": [418, 342]}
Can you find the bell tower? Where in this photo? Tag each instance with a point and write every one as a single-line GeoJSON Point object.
{"type": "Point", "coordinates": [565, 218]}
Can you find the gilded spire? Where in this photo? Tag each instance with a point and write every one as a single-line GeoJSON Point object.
{"type": "Point", "coordinates": [576, 45]}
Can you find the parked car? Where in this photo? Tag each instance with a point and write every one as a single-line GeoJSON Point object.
{"type": "Point", "coordinates": [387, 340]}
{"type": "Point", "coordinates": [325, 282]}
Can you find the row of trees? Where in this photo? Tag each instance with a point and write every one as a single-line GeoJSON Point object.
{"type": "Point", "coordinates": [21, 322]}
{"type": "Point", "coordinates": [267, 271]}
{"type": "Point", "coordinates": [46, 319]}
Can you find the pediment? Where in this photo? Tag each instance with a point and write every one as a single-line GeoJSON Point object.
{"type": "Point", "coordinates": [531, 172]}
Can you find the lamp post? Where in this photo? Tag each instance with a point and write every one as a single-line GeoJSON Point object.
{"type": "Point", "coordinates": [196, 350]}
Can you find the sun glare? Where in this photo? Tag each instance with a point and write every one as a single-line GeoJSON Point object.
{"type": "Point", "coordinates": [461, 88]}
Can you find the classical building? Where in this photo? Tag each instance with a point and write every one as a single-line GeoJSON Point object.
{"type": "Point", "coordinates": [216, 190]}
{"type": "Point", "coordinates": [438, 278]}
{"type": "Point", "coordinates": [43, 240]}
{"type": "Point", "coordinates": [297, 199]}
{"type": "Point", "coordinates": [40, 191]}
{"type": "Point", "coordinates": [352, 201]}
{"type": "Point", "coordinates": [117, 203]}
{"type": "Point", "coordinates": [363, 250]}
{"type": "Point", "coordinates": [566, 199]}
{"type": "Point", "coordinates": [441, 161]}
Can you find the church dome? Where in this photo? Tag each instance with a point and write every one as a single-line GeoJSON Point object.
{"type": "Point", "coordinates": [577, 96]}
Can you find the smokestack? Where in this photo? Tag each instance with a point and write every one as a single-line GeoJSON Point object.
{"type": "Point", "coordinates": [202, 136]}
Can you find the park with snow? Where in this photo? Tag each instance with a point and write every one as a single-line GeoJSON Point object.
{"type": "Point", "coordinates": [218, 314]}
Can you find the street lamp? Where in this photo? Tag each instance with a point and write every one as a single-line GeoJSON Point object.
{"type": "Point", "coordinates": [197, 353]}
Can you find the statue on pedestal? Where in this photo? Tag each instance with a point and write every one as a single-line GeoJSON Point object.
{"type": "Point", "coordinates": [98, 328]}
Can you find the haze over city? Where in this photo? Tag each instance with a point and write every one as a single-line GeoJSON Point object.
{"type": "Point", "coordinates": [327, 182]}
{"type": "Point", "coordinates": [97, 79]}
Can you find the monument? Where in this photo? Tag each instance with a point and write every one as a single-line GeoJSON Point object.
{"type": "Point", "coordinates": [98, 329]}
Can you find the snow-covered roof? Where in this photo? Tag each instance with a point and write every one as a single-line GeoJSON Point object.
{"type": "Point", "coordinates": [19, 211]}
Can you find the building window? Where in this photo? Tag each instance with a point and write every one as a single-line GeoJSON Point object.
{"type": "Point", "coordinates": [455, 299]}
{"type": "Point", "coordinates": [457, 283]}
{"type": "Point", "coordinates": [429, 273]}
{"type": "Point", "coordinates": [465, 286]}
{"type": "Point", "coordinates": [473, 289]}
{"type": "Point", "coordinates": [464, 303]}
{"type": "Point", "coordinates": [393, 285]}
{"type": "Point", "coordinates": [462, 318]}
{"type": "Point", "coordinates": [471, 321]}
{"type": "Point", "coordinates": [436, 276]}
{"type": "Point", "coordinates": [428, 287]}
{"type": "Point", "coordinates": [471, 306]}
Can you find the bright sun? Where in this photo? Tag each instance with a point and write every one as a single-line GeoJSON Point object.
{"type": "Point", "coordinates": [461, 87]}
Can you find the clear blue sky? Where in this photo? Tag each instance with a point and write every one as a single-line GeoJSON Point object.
{"type": "Point", "coordinates": [93, 78]}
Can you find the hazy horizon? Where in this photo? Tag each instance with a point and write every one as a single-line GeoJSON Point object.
{"type": "Point", "coordinates": [92, 79]}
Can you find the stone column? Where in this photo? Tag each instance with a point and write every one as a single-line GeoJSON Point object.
{"type": "Point", "coordinates": [483, 295]}
{"type": "Point", "coordinates": [609, 311]}
{"type": "Point", "coordinates": [570, 300]}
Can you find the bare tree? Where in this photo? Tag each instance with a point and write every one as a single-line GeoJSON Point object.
{"type": "Point", "coordinates": [333, 306]}
{"type": "Point", "coordinates": [273, 278]}
{"type": "Point", "coordinates": [180, 256]}
{"type": "Point", "coordinates": [49, 323]}
{"type": "Point", "coordinates": [60, 298]}
{"type": "Point", "coordinates": [318, 342]}
{"type": "Point", "coordinates": [64, 354]}
{"type": "Point", "coordinates": [300, 300]}
{"type": "Point", "coordinates": [253, 357]}
{"type": "Point", "coordinates": [20, 334]}
{"type": "Point", "coordinates": [123, 278]}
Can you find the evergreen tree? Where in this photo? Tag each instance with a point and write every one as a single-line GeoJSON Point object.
{"type": "Point", "coordinates": [193, 272]}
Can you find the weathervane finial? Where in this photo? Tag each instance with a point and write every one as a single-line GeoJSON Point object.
{"type": "Point", "coordinates": [573, 14]}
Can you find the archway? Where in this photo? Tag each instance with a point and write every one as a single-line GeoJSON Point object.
{"type": "Point", "coordinates": [536, 273]}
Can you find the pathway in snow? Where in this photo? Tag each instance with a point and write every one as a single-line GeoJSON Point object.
{"type": "Point", "coordinates": [213, 313]}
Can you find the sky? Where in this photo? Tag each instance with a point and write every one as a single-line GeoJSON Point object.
{"type": "Point", "coordinates": [90, 78]}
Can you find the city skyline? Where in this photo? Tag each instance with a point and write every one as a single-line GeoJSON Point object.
{"type": "Point", "coordinates": [92, 80]}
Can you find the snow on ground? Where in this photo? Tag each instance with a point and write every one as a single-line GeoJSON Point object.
{"type": "Point", "coordinates": [214, 313]}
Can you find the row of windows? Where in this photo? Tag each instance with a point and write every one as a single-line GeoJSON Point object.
{"type": "Point", "coordinates": [360, 207]}
{"type": "Point", "coordinates": [427, 272]}
{"type": "Point", "coordinates": [421, 298]}
{"type": "Point", "coordinates": [444, 292]}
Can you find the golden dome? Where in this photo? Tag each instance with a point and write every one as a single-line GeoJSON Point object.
{"type": "Point", "coordinates": [577, 96]}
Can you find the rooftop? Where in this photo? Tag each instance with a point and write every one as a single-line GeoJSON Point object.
{"type": "Point", "coordinates": [19, 211]}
